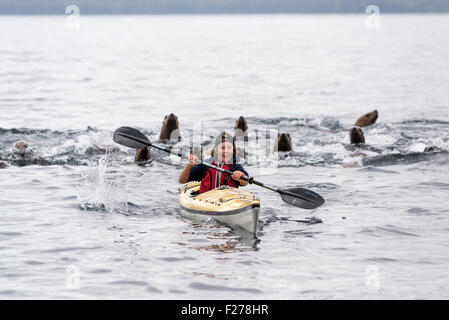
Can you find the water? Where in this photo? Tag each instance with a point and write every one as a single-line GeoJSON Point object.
{"type": "Point", "coordinates": [79, 223]}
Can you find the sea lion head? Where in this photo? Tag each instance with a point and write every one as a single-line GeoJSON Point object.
{"type": "Point", "coordinates": [21, 146]}
{"type": "Point", "coordinates": [171, 121]}
{"type": "Point", "coordinates": [356, 135]}
{"type": "Point", "coordinates": [284, 142]}
{"type": "Point", "coordinates": [170, 128]}
{"type": "Point", "coordinates": [241, 124]}
{"type": "Point", "coordinates": [367, 119]}
{"type": "Point", "coordinates": [3, 165]}
{"type": "Point", "coordinates": [143, 154]}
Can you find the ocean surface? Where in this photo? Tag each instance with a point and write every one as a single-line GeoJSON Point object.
{"type": "Point", "coordinates": [80, 220]}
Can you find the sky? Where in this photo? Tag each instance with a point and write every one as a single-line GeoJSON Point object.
{"type": "Point", "coordinates": [220, 6]}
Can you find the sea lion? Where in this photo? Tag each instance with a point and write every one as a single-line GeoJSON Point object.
{"type": "Point", "coordinates": [367, 119]}
{"type": "Point", "coordinates": [432, 149]}
{"type": "Point", "coordinates": [241, 134]}
{"type": "Point", "coordinates": [283, 143]}
{"type": "Point", "coordinates": [21, 149]}
{"type": "Point", "coordinates": [3, 165]}
{"type": "Point", "coordinates": [169, 132]}
{"type": "Point", "coordinates": [143, 154]}
{"type": "Point", "coordinates": [21, 146]}
{"type": "Point", "coordinates": [170, 129]}
{"type": "Point", "coordinates": [241, 128]}
{"type": "Point", "coordinates": [356, 135]}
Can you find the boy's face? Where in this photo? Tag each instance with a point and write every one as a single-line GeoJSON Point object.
{"type": "Point", "coordinates": [225, 151]}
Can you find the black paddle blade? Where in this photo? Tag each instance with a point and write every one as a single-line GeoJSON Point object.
{"type": "Point", "coordinates": [130, 137]}
{"type": "Point", "coordinates": [301, 198]}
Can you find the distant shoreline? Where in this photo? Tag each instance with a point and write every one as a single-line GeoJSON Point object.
{"type": "Point", "coordinates": [221, 14]}
{"type": "Point", "coordinates": [222, 7]}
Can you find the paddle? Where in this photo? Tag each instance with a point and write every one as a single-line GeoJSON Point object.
{"type": "Point", "coordinates": [298, 197]}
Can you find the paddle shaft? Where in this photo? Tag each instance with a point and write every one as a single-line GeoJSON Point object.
{"type": "Point", "coordinates": [260, 184]}
{"type": "Point", "coordinates": [252, 181]}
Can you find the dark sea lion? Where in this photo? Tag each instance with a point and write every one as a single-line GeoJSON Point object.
{"type": "Point", "coordinates": [143, 154]}
{"type": "Point", "coordinates": [169, 132]}
{"type": "Point", "coordinates": [367, 119]}
{"type": "Point", "coordinates": [241, 134]}
{"type": "Point", "coordinates": [283, 143]}
{"type": "Point", "coordinates": [170, 129]}
{"type": "Point", "coordinates": [241, 128]}
{"type": "Point", "coordinates": [356, 135]}
{"type": "Point", "coordinates": [3, 165]}
{"type": "Point", "coordinates": [432, 149]}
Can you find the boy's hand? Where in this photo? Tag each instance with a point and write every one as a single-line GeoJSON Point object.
{"type": "Point", "coordinates": [237, 175]}
{"type": "Point", "coordinates": [192, 160]}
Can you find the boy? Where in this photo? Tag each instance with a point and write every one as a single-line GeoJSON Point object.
{"type": "Point", "coordinates": [224, 155]}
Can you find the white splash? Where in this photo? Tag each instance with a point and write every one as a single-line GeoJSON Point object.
{"type": "Point", "coordinates": [99, 191]}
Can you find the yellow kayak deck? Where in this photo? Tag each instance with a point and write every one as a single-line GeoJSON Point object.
{"type": "Point", "coordinates": [222, 200]}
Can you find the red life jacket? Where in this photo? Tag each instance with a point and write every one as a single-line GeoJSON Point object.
{"type": "Point", "coordinates": [210, 180]}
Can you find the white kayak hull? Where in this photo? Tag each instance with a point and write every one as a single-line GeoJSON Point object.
{"type": "Point", "coordinates": [247, 219]}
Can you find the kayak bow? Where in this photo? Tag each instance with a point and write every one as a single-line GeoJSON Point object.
{"type": "Point", "coordinates": [231, 206]}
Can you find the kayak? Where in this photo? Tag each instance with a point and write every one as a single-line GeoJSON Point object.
{"type": "Point", "coordinates": [234, 207]}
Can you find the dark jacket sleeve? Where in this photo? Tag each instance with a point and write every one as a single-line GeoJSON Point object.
{"type": "Point", "coordinates": [196, 174]}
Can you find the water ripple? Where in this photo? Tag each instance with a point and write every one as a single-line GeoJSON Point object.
{"type": "Point", "coordinates": [207, 287]}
